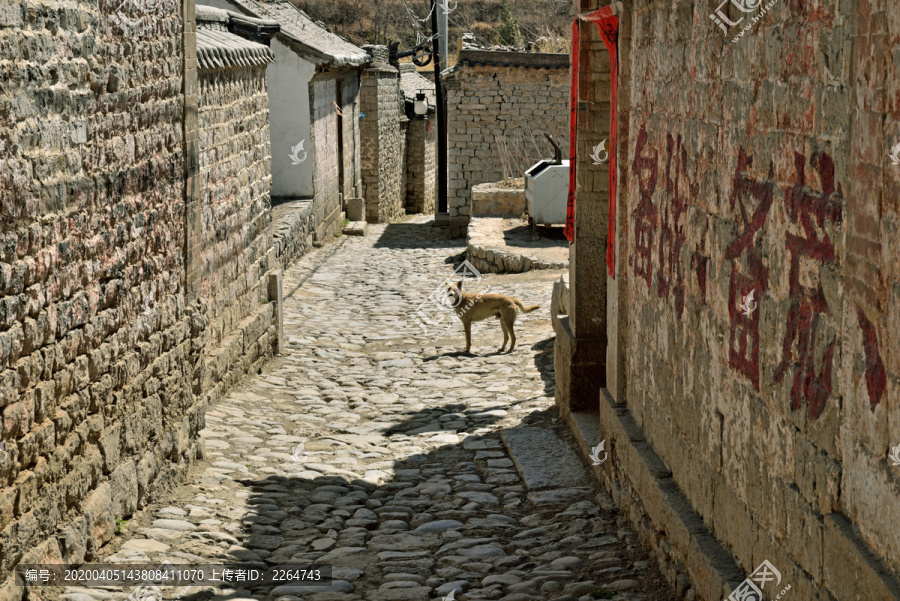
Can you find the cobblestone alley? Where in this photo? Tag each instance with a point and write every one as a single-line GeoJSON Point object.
{"type": "Point", "coordinates": [405, 480]}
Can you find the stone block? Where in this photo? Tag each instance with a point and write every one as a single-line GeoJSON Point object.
{"type": "Point", "coordinates": [11, 591]}
{"type": "Point", "coordinates": [275, 296]}
{"type": "Point", "coordinates": [491, 200]}
{"type": "Point", "coordinates": [355, 228]}
{"type": "Point", "coordinates": [356, 209]}
{"type": "Point", "coordinates": [8, 498]}
{"type": "Point", "coordinates": [543, 459]}
{"type": "Point", "coordinates": [124, 489]}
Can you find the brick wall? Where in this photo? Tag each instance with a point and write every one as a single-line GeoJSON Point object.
{"type": "Point", "coordinates": [760, 165]}
{"type": "Point", "coordinates": [382, 144]}
{"type": "Point", "coordinates": [94, 384]}
{"type": "Point", "coordinates": [518, 101]}
{"type": "Point", "coordinates": [236, 216]}
{"type": "Point", "coordinates": [420, 165]}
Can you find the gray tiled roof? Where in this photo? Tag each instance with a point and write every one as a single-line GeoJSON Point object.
{"type": "Point", "coordinates": [411, 83]}
{"type": "Point", "coordinates": [319, 44]}
{"type": "Point", "coordinates": [217, 48]}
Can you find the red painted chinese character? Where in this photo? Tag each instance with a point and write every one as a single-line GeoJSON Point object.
{"type": "Point", "coordinates": [753, 200]}
{"type": "Point", "coordinates": [645, 169]}
{"type": "Point", "coordinates": [679, 192]}
{"type": "Point", "coordinates": [876, 377]}
{"type": "Point", "coordinates": [811, 210]}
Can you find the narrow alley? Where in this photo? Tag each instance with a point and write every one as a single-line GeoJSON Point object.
{"type": "Point", "coordinates": [395, 459]}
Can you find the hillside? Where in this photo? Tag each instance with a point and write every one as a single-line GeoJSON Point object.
{"type": "Point", "coordinates": [545, 22]}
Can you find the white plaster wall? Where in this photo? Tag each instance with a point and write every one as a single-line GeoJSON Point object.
{"type": "Point", "coordinates": [289, 116]}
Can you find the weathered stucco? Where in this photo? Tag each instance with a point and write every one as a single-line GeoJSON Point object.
{"type": "Point", "coordinates": [759, 165]}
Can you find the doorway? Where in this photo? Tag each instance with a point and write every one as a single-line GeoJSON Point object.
{"type": "Point", "coordinates": [339, 109]}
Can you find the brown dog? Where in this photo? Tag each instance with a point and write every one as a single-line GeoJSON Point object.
{"type": "Point", "coordinates": [477, 307]}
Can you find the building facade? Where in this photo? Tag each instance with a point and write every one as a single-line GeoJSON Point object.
{"type": "Point", "coordinates": [499, 105]}
{"type": "Point", "coordinates": [731, 315]}
{"type": "Point", "coordinates": [314, 111]}
{"type": "Point", "coordinates": [136, 271]}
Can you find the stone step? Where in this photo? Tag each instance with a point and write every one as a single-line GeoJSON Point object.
{"type": "Point", "coordinates": [544, 459]}
{"type": "Point", "coordinates": [355, 228]}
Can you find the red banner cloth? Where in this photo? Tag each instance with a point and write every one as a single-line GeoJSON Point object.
{"type": "Point", "coordinates": [608, 26]}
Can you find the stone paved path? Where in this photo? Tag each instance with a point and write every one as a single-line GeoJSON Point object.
{"type": "Point", "coordinates": [368, 448]}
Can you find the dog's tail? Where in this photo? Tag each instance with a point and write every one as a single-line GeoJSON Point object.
{"type": "Point", "coordinates": [526, 309]}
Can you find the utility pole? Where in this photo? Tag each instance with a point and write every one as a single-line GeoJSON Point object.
{"type": "Point", "coordinates": [442, 33]}
{"type": "Point", "coordinates": [439, 44]}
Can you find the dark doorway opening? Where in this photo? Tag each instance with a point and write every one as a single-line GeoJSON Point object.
{"type": "Point", "coordinates": [339, 109]}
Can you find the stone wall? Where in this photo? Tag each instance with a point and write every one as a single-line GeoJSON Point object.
{"type": "Point", "coordinates": [401, 163]}
{"type": "Point", "coordinates": [382, 144]}
{"type": "Point", "coordinates": [420, 165]}
{"type": "Point", "coordinates": [292, 229]}
{"type": "Point", "coordinates": [760, 166]}
{"type": "Point", "coordinates": [334, 172]}
{"type": "Point", "coordinates": [517, 96]}
{"type": "Point", "coordinates": [95, 377]}
{"type": "Point", "coordinates": [237, 257]}
{"type": "Point", "coordinates": [327, 204]}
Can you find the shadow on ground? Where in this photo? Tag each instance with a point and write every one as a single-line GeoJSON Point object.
{"type": "Point", "coordinates": [543, 360]}
{"type": "Point", "coordinates": [520, 236]}
{"type": "Point", "coordinates": [440, 418]}
{"type": "Point", "coordinates": [444, 521]}
{"type": "Point", "coordinates": [416, 235]}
